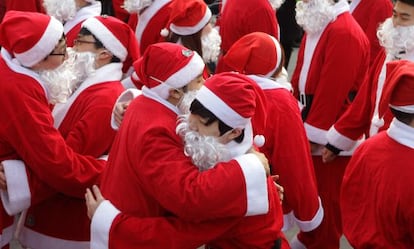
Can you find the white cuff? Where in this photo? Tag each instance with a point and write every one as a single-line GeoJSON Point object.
{"type": "Point", "coordinates": [315, 134]}
{"type": "Point", "coordinates": [101, 224]}
{"type": "Point", "coordinates": [18, 196]}
{"type": "Point", "coordinates": [126, 96]}
{"type": "Point", "coordinates": [307, 226]}
{"type": "Point", "coordinates": [256, 184]}
{"type": "Point", "coordinates": [338, 140]}
{"type": "Point", "coordinates": [288, 221]}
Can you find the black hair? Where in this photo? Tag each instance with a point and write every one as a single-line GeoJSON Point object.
{"type": "Point", "coordinates": [192, 42]}
{"type": "Point", "coordinates": [199, 109]}
{"type": "Point", "coordinates": [409, 2]}
{"type": "Point", "coordinates": [406, 118]}
{"type": "Point", "coordinates": [98, 44]}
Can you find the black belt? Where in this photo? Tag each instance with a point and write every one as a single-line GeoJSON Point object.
{"type": "Point", "coordinates": [306, 101]}
{"type": "Point", "coordinates": [276, 245]}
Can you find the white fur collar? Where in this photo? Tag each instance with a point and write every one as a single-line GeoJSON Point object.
{"type": "Point", "coordinates": [401, 133]}
{"type": "Point", "coordinates": [94, 9]}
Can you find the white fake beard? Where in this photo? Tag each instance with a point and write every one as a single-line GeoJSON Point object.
{"type": "Point", "coordinates": [185, 102]}
{"type": "Point", "coordinates": [276, 3]}
{"type": "Point", "coordinates": [210, 46]}
{"type": "Point", "coordinates": [134, 6]}
{"type": "Point", "coordinates": [64, 80]}
{"type": "Point", "coordinates": [396, 40]}
{"type": "Point", "coordinates": [63, 10]}
{"type": "Point", "coordinates": [204, 151]}
{"type": "Point", "coordinates": [314, 15]}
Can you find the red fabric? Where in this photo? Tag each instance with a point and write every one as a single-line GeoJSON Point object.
{"type": "Point", "coordinates": [27, 5]}
{"type": "Point", "coordinates": [73, 34]}
{"type": "Point", "coordinates": [376, 197]}
{"type": "Point", "coordinates": [356, 121]}
{"type": "Point", "coordinates": [120, 12]}
{"type": "Point", "coordinates": [241, 17]}
{"type": "Point", "coordinates": [378, 11]}
{"type": "Point", "coordinates": [328, 80]}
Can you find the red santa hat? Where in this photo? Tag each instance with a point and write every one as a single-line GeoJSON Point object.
{"type": "Point", "coordinates": [168, 65]}
{"type": "Point", "coordinates": [29, 36]}
{"type": "Point", "coordinates": [115, 35]}
{"type": "Point", "coordinates": [236, 100]}
{"type": "Point", "coordinates": [187, 17]}
{"type": "Point", "coordinates": [256, 53]}
{"type": "Point", "coordinates": [398, 91]}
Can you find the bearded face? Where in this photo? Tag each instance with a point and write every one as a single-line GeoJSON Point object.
{"type": "Point", "coordinates": [63, 10]}
{"type": "Point", "coordinates": [135, 6]}
{"type": "Point", "coordinates": [186, 100]}
{"type": "Point", "coordinates": [210, 45]}
{"type": "Point", "coordinates": [204, 151]}
{"type": "Point", "coordinates": [396, 40]}
{"type": "Point", "coordinates": [63, 81]}
{"type": "Point", "coordinates": [314, 15]}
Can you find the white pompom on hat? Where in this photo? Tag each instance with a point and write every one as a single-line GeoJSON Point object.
{"type": "Point", "coordinates": [29, 36]}
{"type": "Point", "coordinates": [187, 17]}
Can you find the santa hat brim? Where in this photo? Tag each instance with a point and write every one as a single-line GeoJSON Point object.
{"type": "Point", "coordinates": [182, 30]}
{"type": "Point", "coordinates": [107, 38]}
{"type": "Point", "coordinates": [44, 46]}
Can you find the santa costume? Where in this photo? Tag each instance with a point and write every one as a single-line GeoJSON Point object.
{"type": "Point", "coordinates": [377, 189]}
{"type": "Point", "coordinates": [161, 180]}
{"type": "Point", "coordinates": [259, 56]}
{"type": "Point", "coordinates": [84, 122]}
{"type": "Point", "coordinates": [325, 88]}
{"type": "Point", "coordinates": [32, 147]}
{"type": "Point", "coordinates": [378, 11]}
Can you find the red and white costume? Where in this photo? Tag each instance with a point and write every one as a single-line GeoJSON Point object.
{"type": "Point", "coordinates": [377, 190]}
{"type": "Point", "coordinates": [84, 123]}
{"type": "Point", "coordinates": [377, 11]}
{"type": "Point", "coordinates": [73, 26]}
{"type": "Point", "coordinates": [323, 83]}
{"type": "Point", "coordinates": [362, 117]}
{"type": "Point", "coordinates": [27, 128]}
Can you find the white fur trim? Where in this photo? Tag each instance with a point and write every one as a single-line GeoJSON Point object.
{"type": "Point", "coordinates": [338, 140]}
{"type": "Point", "coordinates": [18, 196]}
{"type": "Point", "coordinates": [44, 46]}
{"type": "Point", "coordinates": [84, 13]}
{"type": "Point", "coordinates": [185, 30]}
{"type": "Point", "coordinates": [288, 221]}
{"type": "Point", "coordinates": [309, 225]}
{"type": "Point", "coordinates": [223, 112]}
{"type": "Point", "coordinates": [401, 133]}
{"type": "Point", "coordinates": [6, 235]}
{"type": "Point", "coordinates": [127, 95]}
{"type": "Point", "coordinates": [182, 77]}
{"type": "Point", "coordinates": [278, 56]}
{"type": "Point", "coordinates": [101, 225]}
{"type": "Point", "coordinates": [256, 184]}
{"type": "Point", "coordinates": [108, 39]}
{"type": "Point", "coordinates": [296, 244]}
{"type": "Point", "coordinates": [33, 240]}
{"type": "Point", "coordinates": [316, 134]}
{"type": "Point", "coordinates": [406, 108]}
{"type": "Point", "coordinates": [146, 16]}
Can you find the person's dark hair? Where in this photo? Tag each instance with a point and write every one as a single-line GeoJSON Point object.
{"type": "Point", "coordinates": [403, 117]}
{"type": "Point", "coordinates": [199, 109]}
{"type": "Point", "coordinates": [409, 2]}
{"type": "Point", "coordinates": [98, 43]}
{"type": "Point", "coordinates": [192, 42]}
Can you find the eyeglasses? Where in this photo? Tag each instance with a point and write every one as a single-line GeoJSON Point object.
{"type": "Point", "coordinates": [78, 42]}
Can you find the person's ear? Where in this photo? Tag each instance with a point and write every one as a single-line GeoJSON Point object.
{"type": "Point", "coordinates": [175, 94]}
{"type": "Point", "coordinates": [234, 133]}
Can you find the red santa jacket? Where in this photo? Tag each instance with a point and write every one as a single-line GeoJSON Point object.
{"type": "Point", "coordinates": [28, 134]}
{"type": "Point", "coordinates": [359, 119]}
{"type": "Point", "coordinates": [287, 149]}
{"type": "Point", "coordinates": [377, 191]}
{"type": "Point", "coordinates": [377, 11]}
{"type": "Point", "coordinates": [73, 26]}
{"type": "Point", "coordinates": [148, 174]}
{"type": "Point", "coordinates": [84, 122]}
{"type": "Point", "coordinates": [332, 72]}
{"type": "Point", "coordinates": [150, 23]}
{"type": "Point", "coordinates": [241, 17]}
